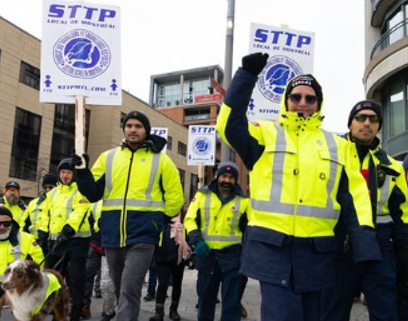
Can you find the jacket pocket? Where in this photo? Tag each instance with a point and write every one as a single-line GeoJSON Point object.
{"type": "Point", "coordinates": [325, 244]}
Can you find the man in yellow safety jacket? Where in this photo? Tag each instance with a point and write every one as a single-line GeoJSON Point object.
{"type": "Point", "coordinates": [138, 184]}
{"type": "Point", "coordinates": [300, 182]}
{"type": "Point", "coordinates": [36, 212]}
{"type": "Point", "coordinates": [12, 200]}
{"type": "Point", "coordinates": [69, 231]}
{"type": "Point", "coordinates": [15, 245]}
{"type": "Point", "coordinates": [215, 221]}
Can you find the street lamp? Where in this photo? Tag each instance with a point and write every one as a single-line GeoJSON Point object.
{"type": "Point", "coordinates": [229, 44]}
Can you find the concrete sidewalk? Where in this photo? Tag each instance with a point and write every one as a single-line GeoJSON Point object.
{"type": "Point", "coordinates": [187, 310]}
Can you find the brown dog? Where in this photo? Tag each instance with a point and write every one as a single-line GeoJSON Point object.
{"type": "Point", "coordinates": [34, 294]}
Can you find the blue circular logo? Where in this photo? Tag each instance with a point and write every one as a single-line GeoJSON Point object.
{"type": "Point", "coordinates": [201, 146]}
{"type": "Point", "coordinates": [82, 54]}
{"type": "Point", "coordinates": [276, 74]}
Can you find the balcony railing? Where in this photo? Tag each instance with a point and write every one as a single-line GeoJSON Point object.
{"type": "Point", "coordinates": [384, 41]}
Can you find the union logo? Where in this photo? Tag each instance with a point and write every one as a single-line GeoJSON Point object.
{"type": "Point", "coordinates": [276, 74]}
{"type": "Point", "coordinates": [82, 54]}
{"type": "Point", "coordinates": [201, 146]}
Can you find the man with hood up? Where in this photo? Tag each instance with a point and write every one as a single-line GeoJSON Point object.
{"type": "Point", "coordinates": [300, 182]}
{"type": "Point", "coordinates": [138, 184]}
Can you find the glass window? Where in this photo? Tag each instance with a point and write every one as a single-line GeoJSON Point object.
{"type": "Point", "coordinates": [394, 27]}
{"type": "Point", "coordinates": [63, 139]}
{"type": "Point", "coordinates": [182, 174]}
{"type": "Point", "coordinates": [169, 94]}
{"type": "Point", "coordinates": [193, 185]}
{"type": "Point", "coordinates": [26, 142]}
{"type": "Point", "coordinates": [396, 110]}
{"type": "Point", "coordinates": [195, 87]}
{"type": "Point", "coordinates": [30, 75]}
{"type": "Point", "coordinates": [197, 114]}
{"type": "Point", "coordinates": [182, 149]}
{"type": "Point", "coordinates": [169, 142]}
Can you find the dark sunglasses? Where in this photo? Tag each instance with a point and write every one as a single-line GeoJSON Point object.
{"type": "Point", "coordinates": [6, 224]}
{"type": "Point", "coordinates": [361, 118]}
{"type": "Point", "coordinates": [297, 98]}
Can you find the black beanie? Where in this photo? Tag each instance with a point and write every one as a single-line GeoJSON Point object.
{"type": "Point", "coordinates": [140, 117]}
{"type": "Point", "coordinates": [305, 80]}
{"type": "Point", "coordinates": [227, 167]}
{"type": "Point", "coordinates": [365, 104]}
{"type": "Point", "coordinates": [5, 211]}
{"type": "Point", "coordinates": [49, 179]}
{"type": "Point", "coordinates": [65, 164]}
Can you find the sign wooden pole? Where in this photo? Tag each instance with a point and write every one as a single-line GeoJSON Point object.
{"type": "Point", "coordinates": [80, 125]}
{"type": "Point", "coordinates": [200, 176]}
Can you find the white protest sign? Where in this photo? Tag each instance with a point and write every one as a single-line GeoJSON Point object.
{"type": "Point", "coordinates": [201, 145]}
{"type": "Point", "coordinates": [162, 132]}
{"type": "Point", "coordinates": [80, 53]}
{"type": "Point", "coordinates": [290, 53]}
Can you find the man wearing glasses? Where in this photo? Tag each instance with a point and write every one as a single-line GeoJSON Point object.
{"type": "Point", "coordinates": [389, 194]}
{"type": "Point", "coordinates": [301, 185]}
{"type": "Point", "coordinates": [15, 245]}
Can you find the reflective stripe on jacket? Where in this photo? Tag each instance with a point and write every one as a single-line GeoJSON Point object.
{"type": "Point", "coordinates": [67, 207]}
{"type": "Point", "coordinates": [219, 224]}
{"type": "Point", "coordinates": [26, 246]}
{"type": "Point", "coordinates": [139, 187]}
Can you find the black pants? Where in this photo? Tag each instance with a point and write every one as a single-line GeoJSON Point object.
{"type": "Point", "coordinates": [93, 266]}
{"type": "Point", "coordinates": [164, 270]}
{"type": "Point", "coordinates": [72, 267]}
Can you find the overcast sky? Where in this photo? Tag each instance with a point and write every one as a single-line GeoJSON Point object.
{"type": "Point", "coordinates": [160, 36]}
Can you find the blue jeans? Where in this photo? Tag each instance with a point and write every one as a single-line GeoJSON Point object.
{"type": "Point", "coordinates": [207, 290]}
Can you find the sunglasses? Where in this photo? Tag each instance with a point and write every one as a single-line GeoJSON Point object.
{"type": "Point", "coordinates": [6, 224]}
{"type": "Point", "coordinates": [361, 118]}
{"type": "Point", "coordinates": [297, 98]}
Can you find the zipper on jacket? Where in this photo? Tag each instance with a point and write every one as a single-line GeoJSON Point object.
{"type": "Point", "coordinates": [123, 217]}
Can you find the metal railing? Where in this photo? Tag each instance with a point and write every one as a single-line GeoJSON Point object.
{"type": "Point", "coordinates": [384, 41]}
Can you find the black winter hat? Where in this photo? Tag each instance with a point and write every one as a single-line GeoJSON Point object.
{"type": "Point", "coordinates": [227, 167]}
{"type": "Point", "coordinates": [65, 164]}
{"type": "Point", "coordinates": [305, 80]}
{"type": "Point", "coordinates": [5, 211]}
{"type": "Point", "coordinates": [365, 104]}
{"type": "Point", "coordinates": [140, 117]}
{"type": "Point", "coordinates": [12, 184]}
{"type": "Point", "coordinates": [49, 179]}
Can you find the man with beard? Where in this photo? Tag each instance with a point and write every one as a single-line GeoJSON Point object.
{"type": "Point", "coordinates": [389, 201]}
{"type": "Point", "coordinates": [215, 221]}
{"type": "Point", "coordinates": [15, 245]}
{"type": "Point", "coordinates": [12, 200]}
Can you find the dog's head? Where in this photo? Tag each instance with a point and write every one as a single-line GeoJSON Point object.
{"type": "Point", "coordinates": [20, 275]}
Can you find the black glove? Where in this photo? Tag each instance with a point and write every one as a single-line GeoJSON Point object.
{"type": "Point", "coordinates": [254, 63]}
{"type": "Point", "coordinates": [62, 239]}
{"type": "Point", "coordinates": [79, 162]}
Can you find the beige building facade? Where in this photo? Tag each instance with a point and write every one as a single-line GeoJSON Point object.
{"type": "Point", "coordinates": [34, 136]}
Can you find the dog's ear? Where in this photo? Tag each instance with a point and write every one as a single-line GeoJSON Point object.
{"type": "Point", "coordinates": [32, 269]}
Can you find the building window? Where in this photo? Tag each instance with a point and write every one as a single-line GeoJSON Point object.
{"type": "Point", "coordinates": [182, 149]}
{"type": "Point", "coordinates": [182, 174]}
{"type": "Point", "coordinates": [122, 118]}
{"type": "Point", "coordinates": [193, 185]}
{"type": "Point", "coordinates": [26, 142]}
{"type": "Point", "coordinates": [169, 94]}
{"type": "Point", "coordinates": [30, 75]}
{"type": "Point", "coordinates": [63, 139]}
{"type": "Point", "coordinates": [196, 114]}
{"type": "Point", "coordinates": [195, 87]}
{"type": "Point", "coordinates": [396, 110]}
{"type": "Point", "coordinates": [169, 142]}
